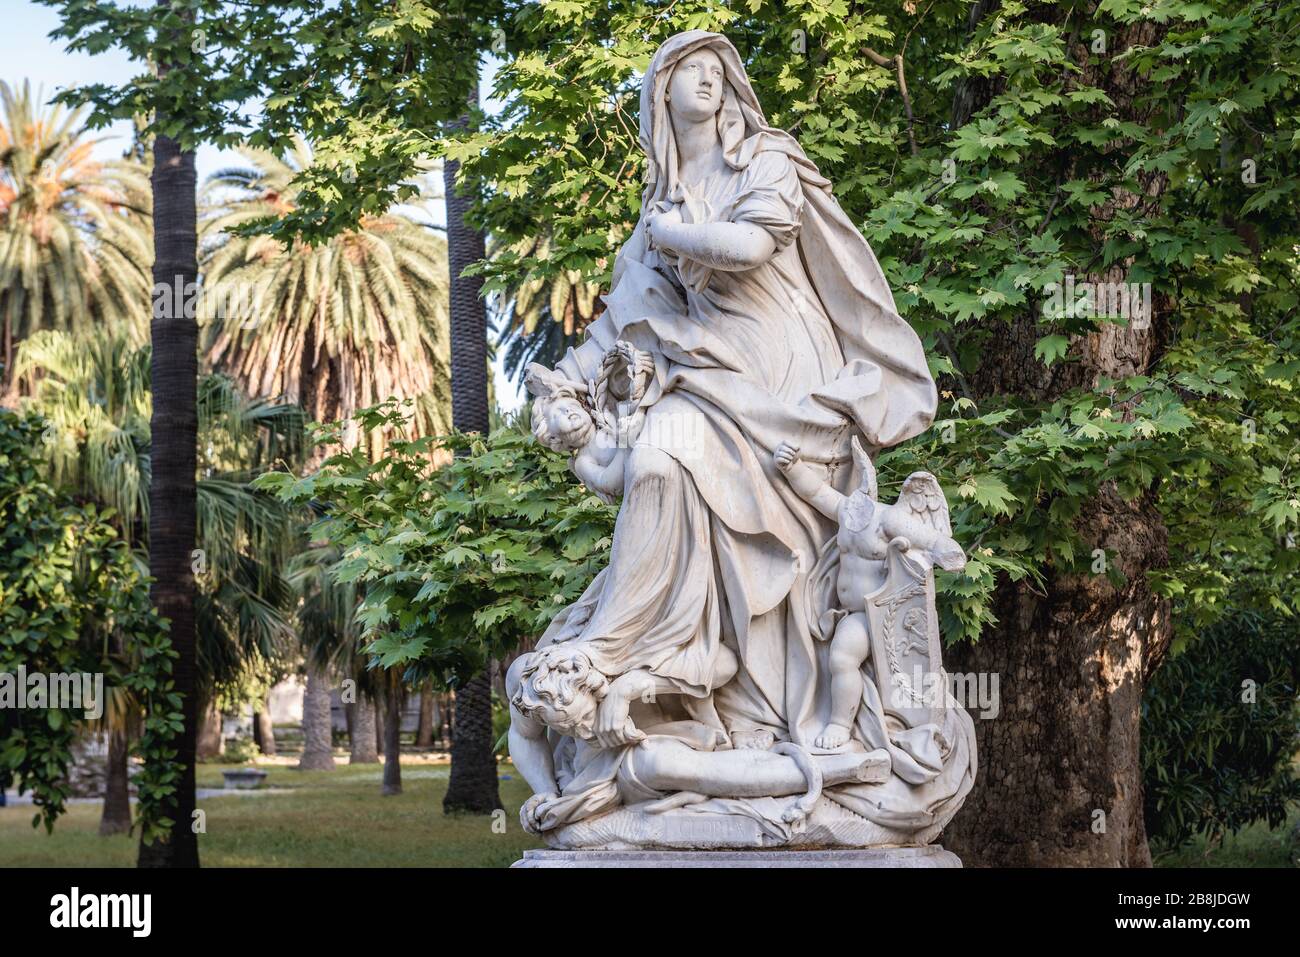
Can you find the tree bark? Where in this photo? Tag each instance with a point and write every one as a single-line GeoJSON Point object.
{"type": "Point", "coordinates": [392, 739]}
{"type": "Point", "coordinates": [208, 744]}
{"type": "Point", "coordinates": [466, 246]}
{"type": "Point", "coordinates": [442, 719]}
{"type": "Point", "coordinates": [264, 728]}
{"type": "Point", "coordinates": [972, 93]}
{"type": "Point", "coordinates": [362, 738]}
{"type": "Point", "coordinates": [473, 784]}
{"type": "Point", "coordinates": [317, 737]}
{"type": "Point", "coordinates": [424, 731]}
{"type": "Point", "coordinates": [1060, 781]}
{"type": "Point", "coordinates": [116, 817]}
{"type": "Point", "coordinates": [172, 503]}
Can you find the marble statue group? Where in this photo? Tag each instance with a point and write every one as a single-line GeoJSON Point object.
{"type": "Point", "coordinates": [743, 673]}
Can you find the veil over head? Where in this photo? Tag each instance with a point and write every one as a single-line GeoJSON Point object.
{"type": "Point", "coordinates": [840, 264]}
{"type": "Point", "coordinates": [742, 126]}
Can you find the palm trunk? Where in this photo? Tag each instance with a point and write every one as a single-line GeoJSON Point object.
{"type": "Point", "coordinates": [424, 731]}
{"type": "Point", "coordinates": [473, 784]}
{"type": "Point", "coordinates": [116, 818]}
{"type": "Point", "coordinates": [172, 503]}
{"type": "Point", "coordinates": [8, 358]}
{"type": "Point", "coordinates": [466, 246]}
{"type": "Point", "coordinates": [362, 738]}
{"type": "Point", "coordinates": [263, 728]}
{"type": "Point", "coordinates": [208, 743]}
{"type": "Point", "coordinates": [392, 739]}
{"type": "Point", "coordinates": [317, 737]}
{"type": "Point", "coordinates": [442, 718]}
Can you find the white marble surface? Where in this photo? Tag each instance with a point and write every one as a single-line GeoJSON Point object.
{"type": "Point", "coordinates": [742, 673]}
{"type": "Point", "coordinates": [929, 856]}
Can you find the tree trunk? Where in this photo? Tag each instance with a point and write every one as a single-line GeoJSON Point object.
{"type": "Point", "coordinates": [7, 396]}
{"type": "Point", "coordinates": [317, 737]}
{"type": "Point", "coordinates": [442, 710]}
{"type": "Point", "coordinates": [392, 740]}
{"type": "Point", "coordinates": [473, 784]}
{"type": "Point", "coordinates": [466, 246]}
{"type": "Point", "coordinates": [208, 744]}
{"type": "Point", "coordinates": [116, 817]}
{"type": "Point", "coordinates": [362, 739]}
{"type": "Point", "coordinates": [1059, 780]}
{"type": "Point", "coordinates": [424, 731]}
{"type": "Point", "coordinates": [172, 503]}
{"type": "Point", "coordinates": [264, 728]}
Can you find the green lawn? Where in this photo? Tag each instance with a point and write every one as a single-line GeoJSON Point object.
{"type": "Point", "coordinates": [1254, 846]}
{"type": "Point", "coordinates": [338, 819]}
{"type": "Point", "coordinates": [333, 819]}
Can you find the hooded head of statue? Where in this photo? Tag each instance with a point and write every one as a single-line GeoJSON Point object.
{"type": "Point", "coordinates": [698, 72]}
{"type": "Point", "coordinates": [710, 78]}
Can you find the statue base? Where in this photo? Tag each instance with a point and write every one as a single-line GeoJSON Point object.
{"type": "Point", "coordinates": [721, 825]}
{"type": "Point", "coordinates": [931, 855]}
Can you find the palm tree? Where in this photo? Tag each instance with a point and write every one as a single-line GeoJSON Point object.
{"type": "Point", "coordinates": [473, 783]}
{"type": "Point", "coordinates": [74, 231]}
{"type": "Point", "coordinates": [335, 327]}
{"type": "Point", "coordinates": [174, 423]}
{"type": "Point", "coordinates": [540, 318]}
{"type": "Point", "coordinates": [94, 392]}
{"type": "Point", "coordinates": [328, 634]}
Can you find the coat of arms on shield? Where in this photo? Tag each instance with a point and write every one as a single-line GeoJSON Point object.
{"type": "Point", "coordinates": [905, 648]}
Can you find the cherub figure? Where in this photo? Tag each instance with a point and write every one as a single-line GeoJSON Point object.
{"type": "Point", "coordinates": [597, 423]}
{"type": "Point", "coordinates": [917, 523]}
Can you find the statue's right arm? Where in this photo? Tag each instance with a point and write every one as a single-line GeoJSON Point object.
{"type": "Point", "coordinates": [605, 479]}
{"type": "Point", "coordinates": [529, 750]}
{"type": "Point", "coordinates": [809, 484]}
{"type": "Point", "coordinates": [531, 754]}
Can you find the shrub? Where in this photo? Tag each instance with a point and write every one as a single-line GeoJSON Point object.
{"type": "Point", "coordinates": [74, 600]}
{"type": "Point", "coordinates": [1219, 731]}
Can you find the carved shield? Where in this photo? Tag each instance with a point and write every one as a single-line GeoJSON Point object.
{"type": "Point", "coordinates": [905, 650]}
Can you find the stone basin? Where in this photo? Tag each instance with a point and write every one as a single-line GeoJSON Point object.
{"type": "Point", "coordinates": [244, 779]}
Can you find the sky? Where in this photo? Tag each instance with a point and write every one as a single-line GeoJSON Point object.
{"type": "Point", "coordinates": [28, 53]}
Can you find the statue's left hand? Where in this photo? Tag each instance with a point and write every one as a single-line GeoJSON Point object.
{"type": "Point", "coordinates": [530, 815]}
